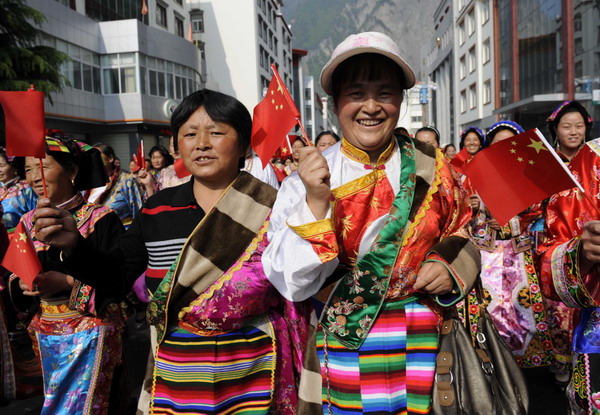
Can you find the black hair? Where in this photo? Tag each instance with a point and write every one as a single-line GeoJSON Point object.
{"type": "Point", "coordinates": [433, 130]}
{"type": "Point", "coordinates": [365, 66]}
{"type": "Point", "coordinates": [448, 145]}
{"type": "Point", "coordinates": [565, 108]}
{"type": "Point", "coordinates": [105, 149]}
{"type": "Point", "coordinates": [220, 108]}
{"type": "Point", "coordinates": [480, 135]}
{"type": "Point", "coordinates": [322, 133]}
{"type": "Point", "coordinates": [164, 152]}
{"type": "Point", "coordinates": [90, 168]}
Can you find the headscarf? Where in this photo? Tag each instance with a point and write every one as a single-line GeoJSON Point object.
{"type": "Point", "coordinates": [475, 130]}
{"type": "Point", "coordinates": [564, 108]}
{"type": "Point", "coordinates": [90, 167]}
{"type": "Point", "coordinates": [502, 125]}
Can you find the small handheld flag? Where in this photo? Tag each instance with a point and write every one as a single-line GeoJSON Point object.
{"type": "Point", "coordinates": [21, 258]}
{"type": "Point", "coordinates": [515, 173]}
{"type": "Point", "coordinates": [274, 116]}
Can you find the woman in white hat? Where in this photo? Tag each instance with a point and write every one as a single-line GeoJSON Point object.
{"type": "Point", "coordinates": [373, 230]}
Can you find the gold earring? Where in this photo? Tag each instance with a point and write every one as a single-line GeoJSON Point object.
{"type": "Point", "coordinates": [73, 181]}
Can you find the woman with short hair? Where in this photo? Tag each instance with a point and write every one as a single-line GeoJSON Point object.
{"type": "Point", "coordinates": [224, 340]}
{"type": "Point", "coordinates": [373, 229]}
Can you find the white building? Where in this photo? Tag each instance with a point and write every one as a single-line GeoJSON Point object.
{"type": "Point", "coordinates": [441, 110]}
{"type": "Point", "coordinates": [411, 110]}
{"type": "Point", "coordinates": [127, 71]}
{"type": "Point", "coordinates": [474, 63]}
{"type": "Point", "coordinates": [240, 40]}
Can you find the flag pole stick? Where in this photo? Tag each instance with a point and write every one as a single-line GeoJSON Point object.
{"type": "Point", "coordinates": [304, 135]}
{"type": "Point", "coordinates": [43, 178]}
{"type": "Point", "coordinates": [32, 88]}
{"type": "Point", "coordinates": [576, 182]}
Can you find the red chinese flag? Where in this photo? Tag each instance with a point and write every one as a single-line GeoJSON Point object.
{"type": "Point", "coordinates": [21, 258]}
{"type": "Point", "coordinates": [517, 172]}
{"type": "Point", "coordinates": [274, 116]}
{"type": "Point", "coordinates": [284, 151]}
{"type": "Point", "coordinates": [24, 121]}
{"type": "Point", "coordinates": [180, 170]}
{"type": "Point", "coordinates": [460, 159]}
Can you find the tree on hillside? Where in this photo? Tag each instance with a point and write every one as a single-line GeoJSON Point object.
{"type": "Point", "coordinates": [22, 60]}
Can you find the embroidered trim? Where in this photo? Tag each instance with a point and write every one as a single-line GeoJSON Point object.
{"type": "Point", "coordinates": [455, 297]}
{"type": "Point", "coordinates": [559, 275]}
{"type": "Point", "coordinates": [314, 228]}
{"type": "Point", "coordinates": [357, 185]}
{"type": "Point", "coordinates": [439, 162]}
{"type": "Point", "coordinates": [217, 285]}
{"type": "Point", "coordinates": [361, 156]}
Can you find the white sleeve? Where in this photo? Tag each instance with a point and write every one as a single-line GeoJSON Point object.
{"type": "Point", "coordinates": [270, 177]}
{"type": "Point", "coordinates": [290, 262]}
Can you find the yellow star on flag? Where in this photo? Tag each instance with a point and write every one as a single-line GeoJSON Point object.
{"type": "Point", "coordinates": [531, 162]}
{"type": "Point", "coordinates": [23, 237]}
{"type": "Point", "coordinates": [514, 143]}
{"type": "Point", "coordinates": [537, 145]}
{"type": "Point", "coordinates": [520, 159]}
{"type": "Point", "coordinates": [272, 101]}
{"type": "Point", "coordinates": [513, 151]}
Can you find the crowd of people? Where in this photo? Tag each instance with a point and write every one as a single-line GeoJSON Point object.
{"type": "Point", "coordinates": [314, 285]}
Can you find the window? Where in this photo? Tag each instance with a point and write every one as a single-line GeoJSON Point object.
{"type": "Point", "coordinates": [161, 15]}
{"type": "Point", "coordinates": [463, 101]}
{"type": "Point", "coordinates": [487, 92]}
{"type": "Point", "coordinates": [198, 21]}
{"type": "Point", "coordinates": [416, 118]}
{"type": "Point", "coordinates": [179, 27]}
{"type": "Point", "coordinates": [82, 70]}
{"type": "Point", "coordinates": [275, 46]}
{"type": "Point", "coordinates": [486, 50]}
{"type": "Point", "coordinates": [262, 57]}
{"type": "Point", "coordinates": [471, 22]}
{"type": "Point", "coordinates": [485, 11]}
{"type": "Point", "coordinates": [577, 22]}
{"type": "Point", "coordinates": [472, 96]}
{"type": "Point", "coordinates": [119, 73]}
{"type": "Point", "coordinates": [472, 59]}
{"type": "Point", "coordinates": [463, 67]}
{"type": "Point", "coordinates": [461, 33]}
{"type": "Point", "coordinates": [270, 40]}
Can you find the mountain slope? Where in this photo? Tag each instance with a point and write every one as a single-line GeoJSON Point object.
{"type": "Point", "coordinates": [319, 25]}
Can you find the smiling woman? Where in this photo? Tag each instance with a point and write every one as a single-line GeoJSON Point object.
{"type": "Point", "coordinates": [201, 244]}
{"type": "Point", "coordinates": [76, 331]}
{"type": "Point", "coordinates": [342, 217]}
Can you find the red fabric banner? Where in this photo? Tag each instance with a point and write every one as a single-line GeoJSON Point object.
{"type": "Point", "coordinates": [25, 124]}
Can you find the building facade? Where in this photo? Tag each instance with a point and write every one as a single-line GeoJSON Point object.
{"type": "Point", "coordinates": [241, 40]}
{"type": "Point", "coordinates": [548, 52]}
{"type": "Point", "coordinates": [440, 61]}
{"type": "Point", "coordinates": [127, 70]}
{"type": "Point", "coordinates": [474, 63]}
{"type": "Point", "coordinates": [461, 64]}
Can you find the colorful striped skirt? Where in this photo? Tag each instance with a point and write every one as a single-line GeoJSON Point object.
{"type": "Point", "coordinates": [231, 373]}
{"type": "Point", "coordinates": [391, 373]}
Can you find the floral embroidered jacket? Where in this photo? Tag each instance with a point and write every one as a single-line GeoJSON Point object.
{"type": "Point", "coordinates": [304, 252]}
{"type": "Point", "coordinates": [566, 214]}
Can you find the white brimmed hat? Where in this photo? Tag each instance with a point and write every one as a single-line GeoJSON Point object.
{"type": "Point", "coordinates": [367, 42]}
